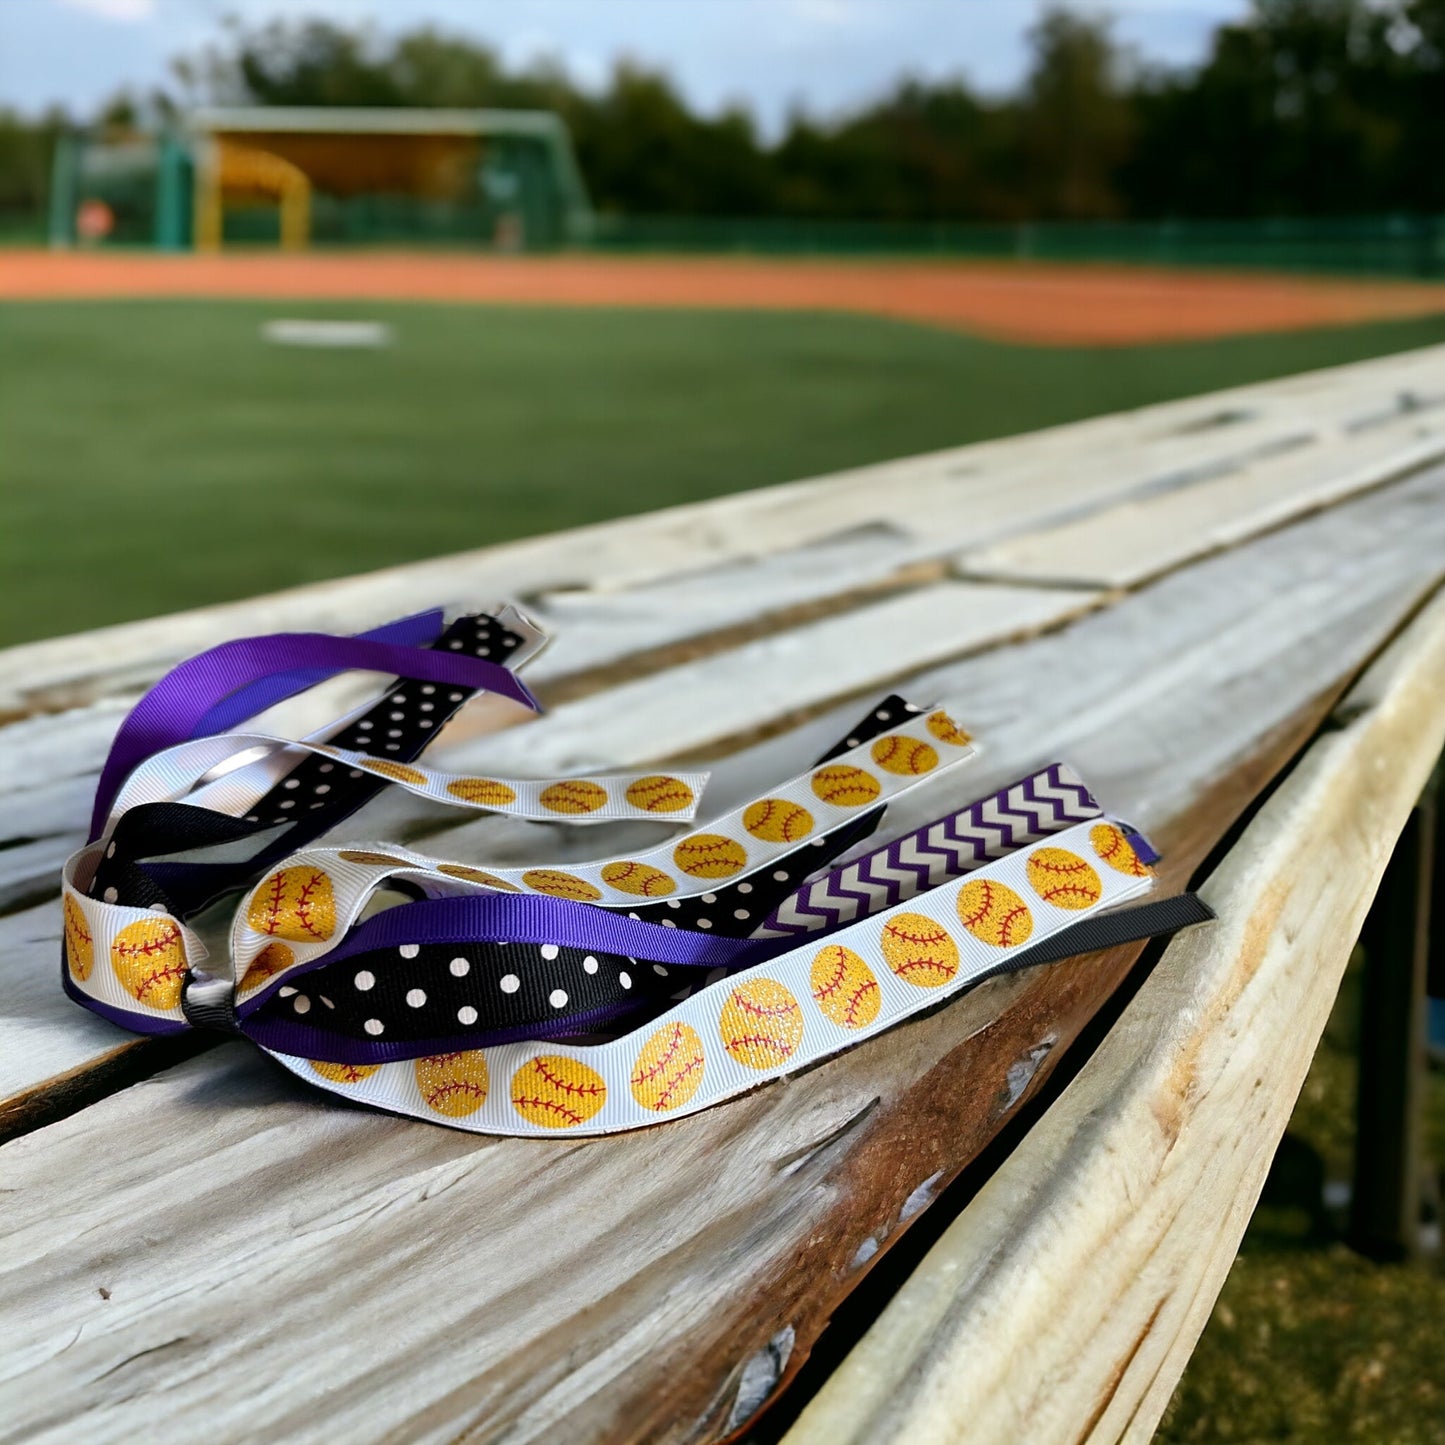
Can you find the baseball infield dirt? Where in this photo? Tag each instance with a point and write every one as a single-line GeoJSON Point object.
{"type": "Point", "coordinates": [1028, 302]}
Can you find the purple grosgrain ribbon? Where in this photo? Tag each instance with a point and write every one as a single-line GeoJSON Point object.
{"type": "Point", "coordinates": [174, 710]}
{"type": "Point", "coordinates": [519, 919]}
{"type": "Point", "coordinates": [1025, 811]}
{"type": "Point", "coordinates": [419, 630]}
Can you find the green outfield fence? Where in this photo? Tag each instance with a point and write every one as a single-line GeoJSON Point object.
{"type": "Point", "coordinates": [1387, 245]}
{"type": "Point", "coordinates": [1402, 246]}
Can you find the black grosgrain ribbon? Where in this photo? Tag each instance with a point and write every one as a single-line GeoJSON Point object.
{"type": "Point", "coordinates": [608, 994]}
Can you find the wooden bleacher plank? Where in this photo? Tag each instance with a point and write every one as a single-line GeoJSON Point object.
{"type": "Point", "coordinates": [993, 693]}
{"type": "Point", "coordinates": [1126, 544]}
{"type": "Point", "coordinates": [962, 496]}
{"type": "Point", "coordinates": [694, 706]}
{"type": "Point", "coordinates": [626, 1286]}
{"type": "Point", "coordinates": [1064, 1302]}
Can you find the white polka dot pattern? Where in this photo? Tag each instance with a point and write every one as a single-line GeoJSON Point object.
{"type": "Point", "coordinates": [786, 1014]}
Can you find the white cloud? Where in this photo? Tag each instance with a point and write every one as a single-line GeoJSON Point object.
{"type": "Point", "coordinates": [126, 11]}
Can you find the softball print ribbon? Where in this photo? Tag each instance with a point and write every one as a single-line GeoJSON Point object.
{"type": "Point", "coordinates": [587, 998]}
{"type": "Point", "coordinates": [783, 1015]}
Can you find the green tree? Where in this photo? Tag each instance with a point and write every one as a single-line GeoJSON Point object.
{"type": "Point", "coordinates": [1076, 124]}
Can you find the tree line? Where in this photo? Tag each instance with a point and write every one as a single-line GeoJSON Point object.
{"type": "Point", "coordinates": [1300, 108]}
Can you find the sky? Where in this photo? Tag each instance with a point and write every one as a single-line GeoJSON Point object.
{"type": "Point", "coordinates": [772, 55]}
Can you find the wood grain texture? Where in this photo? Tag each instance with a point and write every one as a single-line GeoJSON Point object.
{"type": "Point", "coordinates": [1124, 544]}
{"type": "Point", "coordinates": [931, 505]}
{"type": "Point", "coordinates": [1063, 1304]}
{"type": "Point", "coordinates": [698, 707]}
{"type": "Point", "coordinates": [217, 1250]}
{"type": "Point", "coordinates": [278, 1264]}
{"type": "Point", "coordinates": [1150, 698]}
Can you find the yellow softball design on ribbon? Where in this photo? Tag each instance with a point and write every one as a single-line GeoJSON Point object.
{"type": "Point", "coordinates": [475, 875]}
{"type": "Point", "coordinates": [579, 796]}
{"type": "Point", "coordinates": [844, 987]}
{"type": "Point", "coordinates": [710, 855]}
{"type": "Point", "coordinates": [761, 1024]}
{"type": "Point", "coordinates": [344, 1073]}
{"type": "Point", "coordinates": [845, 786]}
{"type": "Point", "coordinates": [149, 959]}
{"type": "Point", "coordinates": [487, 792]}
{"type": "Point", "coordinates": [641, 880]}
{"type": "Point", "coordinates": [397, 771]}
{"type": "Point", "coordinates": [295, 904]}
{"type": "Point", "coordinates": [379, 860]}
{"type": "Point", "coordinates": [273, 959]}
{"type": "Point", "coordinates": [659, 793]}
{"type": "Point", "coordinates": [669, 1068]}
{"type": "Point", "coordinates": [453, 1084]}
{"type": "Point", "coordinates": [776, 820]}
{"type": "Point", "coordinates": [79, 942]}
{"type": "Point", "coordinates": [557, 884]}
{"type": "Point", "coordinates": [557, 1092]}
{"type": "Point", "coordinates": [907, 757]}
{"type": "Point", "coordinates": [1116, 851]}
{"type": "Point", "coordinates": [1063, 879]}
{"type": "Point", "coordinates": [994, 914]}
{"type": "Point", "coordinates": [943, 727]}
{"type": "Point", "coordinates": [919, 951]}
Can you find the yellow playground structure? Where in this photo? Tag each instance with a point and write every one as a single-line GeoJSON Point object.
{"type": "Point", "coordinates": [332, 175]}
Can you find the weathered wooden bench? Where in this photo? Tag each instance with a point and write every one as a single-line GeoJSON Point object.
{"type": "Point", "coordinates": [1224, 611]}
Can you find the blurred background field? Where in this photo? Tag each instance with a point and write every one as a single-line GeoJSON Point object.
{"type": "Point", "coordinates": [163, 454]}
{"type": "Point", "coordinates": [158, 452]}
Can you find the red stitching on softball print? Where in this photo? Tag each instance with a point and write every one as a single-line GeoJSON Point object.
{"type": "Point", "coordinates": [566, 1088]}
{"type": "Point", "coordinates": [304, 905]}
{"type": "Point", "coordinates": [676, 1042]}
{"type": "Point", "coordinates": [645, 1076]}
{"type": "Point", "coordinates": [454, 1086]}
{"type": "Point", "coordinates": [930, 961]}
{"type": "Point", "coordinates": [855, 1001]}
{"type": "Point", "coordinates": [850, 1008]}
{"type": "Point", "coordinates": [826, 991]}
{"type": "Point", "coordinates": [752, 1041]}
{"type": "Point", "coordinates": [76, 919]}
{"type": "Point", "coordinates": [1005, 928]}
{"type": "Point", "coordinates": [1068, 890]}
{"type": "Point", "coordinates": [748, 1006]}
{"type": "Point", "coordinates": [549, 1105]}
{"type": "Point", "coordinates": [163, 975]}
{"type": "Point", "coordinates": [899, 932]}
{"type": "Point", "coordinates": [985, 891]}
{"type": "Point", "coordinates": [277, 892]}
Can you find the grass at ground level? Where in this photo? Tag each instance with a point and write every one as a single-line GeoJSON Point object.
{"type": "Point", "coordinates": [1309, 1342]}
{"type": "Point", "coordinates": [161, 455]}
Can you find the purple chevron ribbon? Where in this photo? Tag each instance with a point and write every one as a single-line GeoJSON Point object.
{"type": "Point", "coordinates": [1018, 815]}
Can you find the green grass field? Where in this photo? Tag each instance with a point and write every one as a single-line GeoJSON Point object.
{"type": "Point", "coordinates": [161, 455]}
{"type": "Point", "coordinates": [1310, 1343]}
{"type": "Point", "coordinates": [156, 456]}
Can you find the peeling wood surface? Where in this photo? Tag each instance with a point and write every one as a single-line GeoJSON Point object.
{"type": "Point", "coordinates": [1096, 1251]}
{"type": "Point", "coordinates": [279, 1263]}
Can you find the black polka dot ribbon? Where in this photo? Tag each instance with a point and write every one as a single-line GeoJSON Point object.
{"type": "Point", "coordinates": [595, 998]}
{"type": "Point", "coordinates": [312, 797]}
{"type": "Point", "coordinates": [505, 990]}
{"type": "Point", "coordinates": [397, 1004]}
